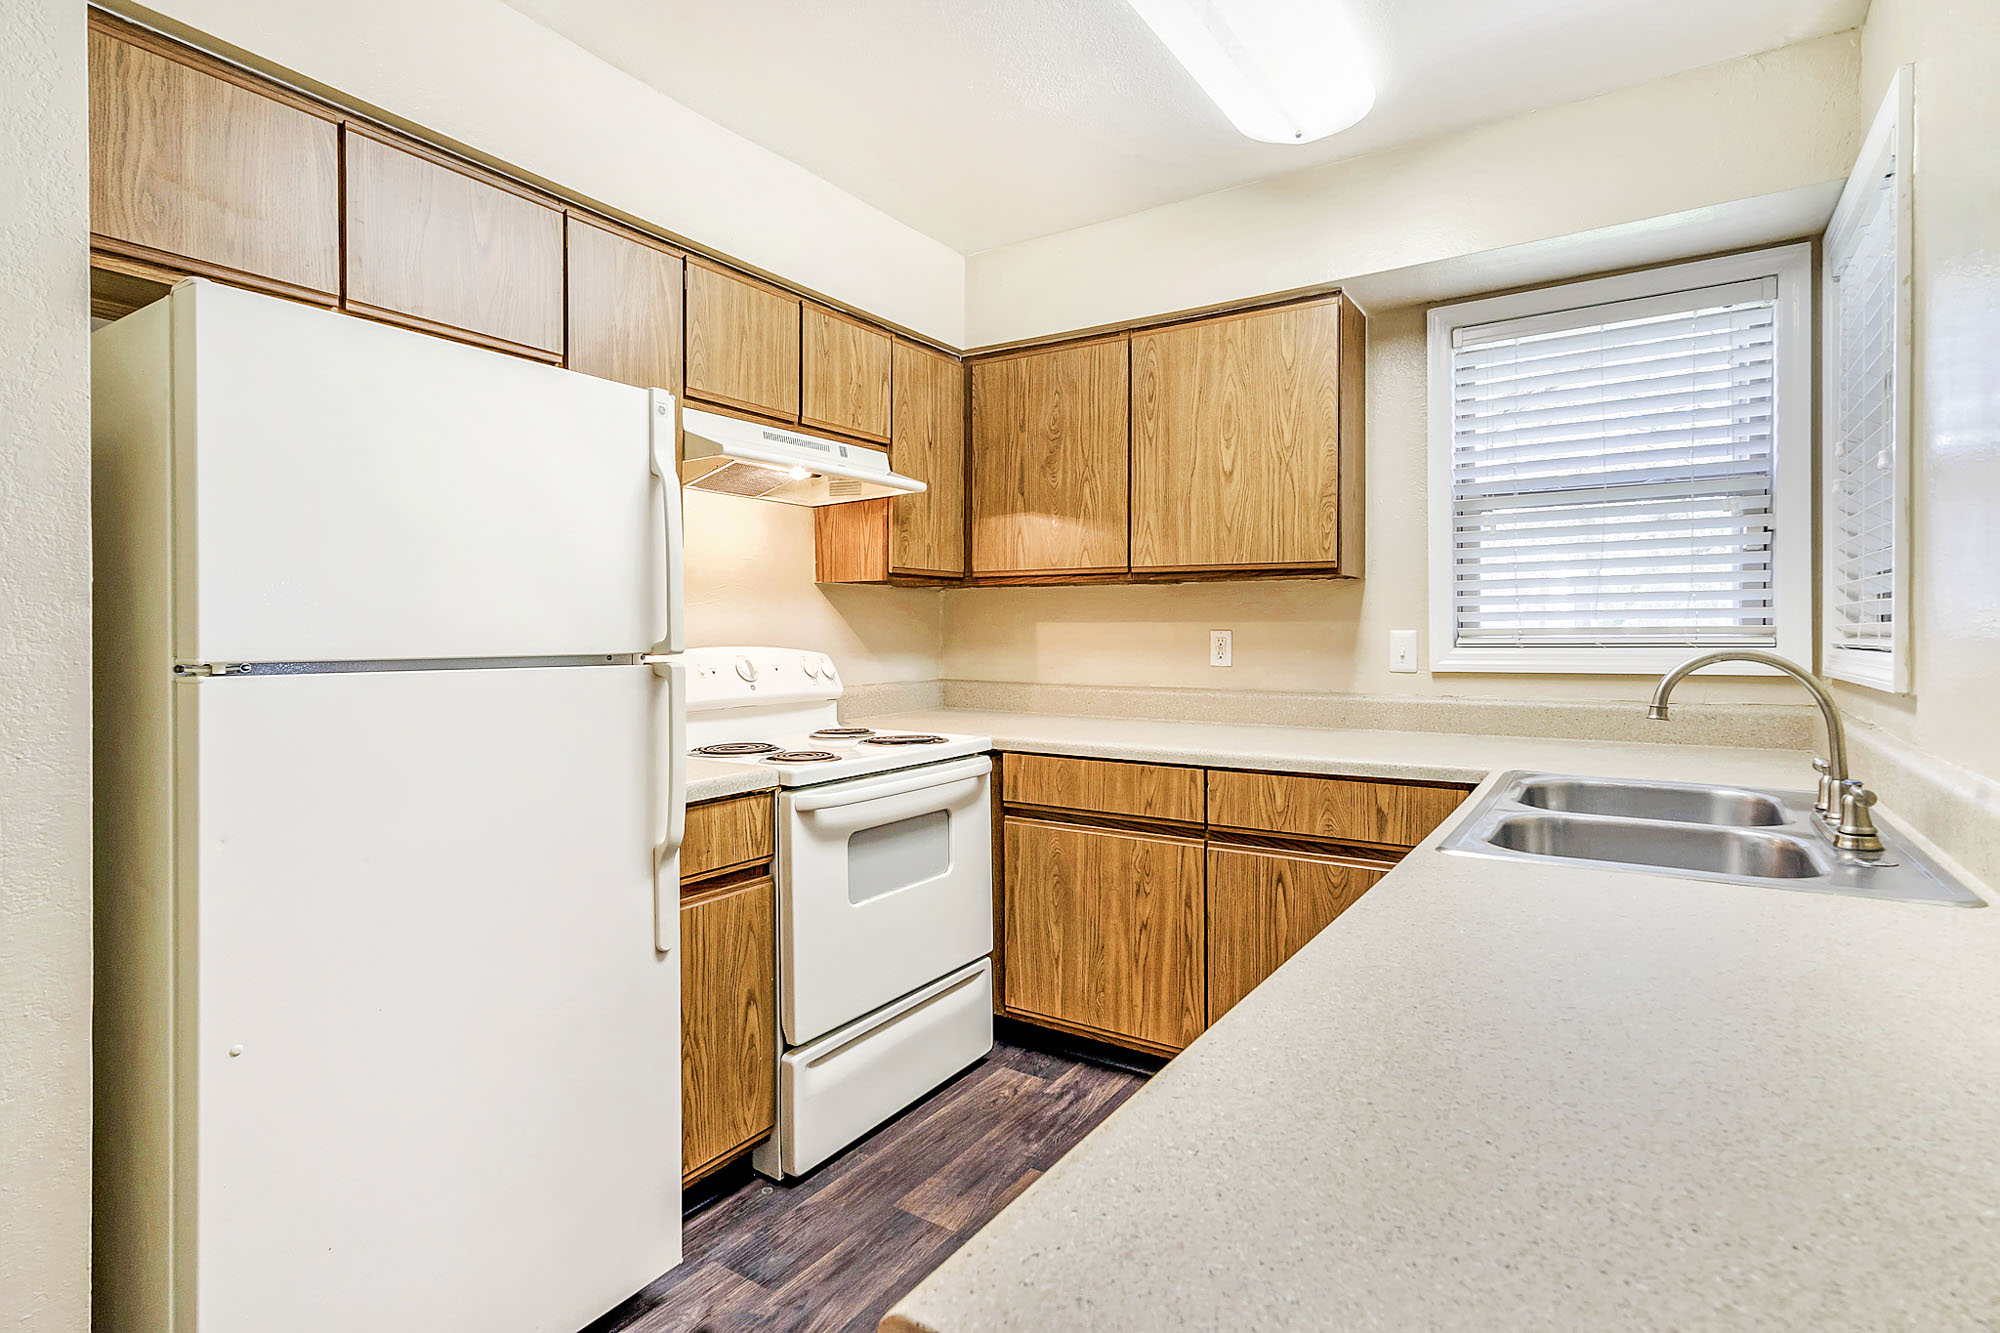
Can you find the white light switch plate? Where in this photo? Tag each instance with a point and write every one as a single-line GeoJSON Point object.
{"type": "Point", "coordinates": [1221, 646]}
{"type": "Point", "coordinates": [1402, 650]}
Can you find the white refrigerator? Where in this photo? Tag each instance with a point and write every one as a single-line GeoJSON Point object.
{"type": "Point", "coordinates": [389, 801]}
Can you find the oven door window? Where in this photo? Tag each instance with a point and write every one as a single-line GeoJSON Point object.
{"type": "Point", "coordinates": [891, 857]}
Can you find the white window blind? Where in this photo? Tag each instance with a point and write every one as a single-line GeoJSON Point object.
{"type": "Point", "coordinates": [1613, 474]}
{"type": "Point", "coordinates": [1866, 417]}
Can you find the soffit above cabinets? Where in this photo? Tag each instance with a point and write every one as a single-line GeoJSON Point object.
{"type": "Point", "coordinates": [985, 122]}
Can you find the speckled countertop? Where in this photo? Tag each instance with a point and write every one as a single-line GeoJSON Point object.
{"type": "Point", "coordinates": [707, 779]}
{"type": "Point", "coordinates": [1503, 1094]}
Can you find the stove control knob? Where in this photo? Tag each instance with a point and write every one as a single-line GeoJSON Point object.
{"type": "Point", "coordinates": [746, 668]}
{"type": "Point", "coordinates": [826, 667]}
{"type": "Point", "coordinates": [812, 667]}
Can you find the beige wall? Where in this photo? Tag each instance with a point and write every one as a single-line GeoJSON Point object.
{"type": "Point", "coordinates": [1955, 623]}
{"type": "Point", "coordinates": [496, 81]}
{"type": "Point", "coordinates": [1309, 636]}
{"type": "Point", "coordinates": [45, 689]}
{"type": "Point", "coordinates": [1737, 130]}
{"type": "Point", "coordinates": [750, 581]}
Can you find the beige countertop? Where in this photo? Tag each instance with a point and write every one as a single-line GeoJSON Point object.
{"type": "Point", "coordinates": [1499, 1094]}
{"type": "Point", "coordinates": [707, 780]}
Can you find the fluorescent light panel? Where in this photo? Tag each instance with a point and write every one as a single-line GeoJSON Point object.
{"type": "Point", "coordinates": [1283, 71]}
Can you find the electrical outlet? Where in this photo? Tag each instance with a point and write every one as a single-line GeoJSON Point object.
{"type": "Point", "coordinates": [1402, 650]}
{"type": "Point", "coordinates": [1221, 645]}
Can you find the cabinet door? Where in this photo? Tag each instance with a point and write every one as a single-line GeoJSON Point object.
{"type": "Point", "coordinates": [624, 296]}
{"type": "Point", "coordinates": [728, 1024]}
{"type": "Point", "coordinates": [1104, 931]}
{"type": "Point", "coordinates": [742, 342]}
{"type": "Point", "coordinates": [1049, 461]}
{"type": "Point", "coordinates": [927, 532]}
{"type": "Point", "coordinates": [193, 170]}
{"type": "Point", "coordinates": [844, 374]}
{"type": "Point", "coordinates": [439, 246]}
{"type": "Point", "coordinates": [1237, 440]}
{"type": "Point", "coordinates": [1262, 908]}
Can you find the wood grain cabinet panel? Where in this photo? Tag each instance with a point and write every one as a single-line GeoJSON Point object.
{"type": "Point", "coordinates": [742, 342]}
{"type": "Point", "coordinates": [1262, 908]}
{"type": "Point", "coordinates": [194, 170]}
{"type": "Point", "coordinates": [1238, 427]}
{"type": "Point", "coordinates": [845, 369]}
{"type": "Point", "coordinates": [727, 835]}
{"type": "Point", "coordinates": [440, 246]}
{"type": "Point", "coordinates": [1104, 931]}
{"type": "Point", "coordinates": [1102, 786]}
{"type": "Point", "coordinates": [908, 538]}
{"type": "Point", "coordinates": [927, 532]}
{"type": "Point", "coordinates": [1049, 448]}
{"type": "Point", "coordinates": [624, 295]}
{"type": "Point", "coordinates": [728, 1024]}
{"type": "Point", "coordinates": [1345, 810]}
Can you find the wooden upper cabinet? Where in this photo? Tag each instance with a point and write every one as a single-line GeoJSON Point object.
{"type": "Point", "coordinates": [624, 295]}
{"type": "Point", "coordinates": [1104, 930]}
{"type": "Point", "coordinates": [193, 169]}
{"type": "Point", "coordinates": [1049, 447]}
{"type": "Point", "coordinates": [742, 342]}
{"type": "Point", "coordinates": [441, 246]}
{"type": "Point", "coordinates": [927, 532]}
{"type": "Point", "coordinates": [844, 373]}
{"type": "Point", "coordinates": [1246, 440]}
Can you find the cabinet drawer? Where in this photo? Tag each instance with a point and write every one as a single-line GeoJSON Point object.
{"type": "Point", "coordinates": [726, 835]}
{"type": "Point", "coordinates": [1100, 786]}
{"type": "Point", "coordinates": [728, 1024]}
{"type": "Point", "coordinates": [1353, 810]}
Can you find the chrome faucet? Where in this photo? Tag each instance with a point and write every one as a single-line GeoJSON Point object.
{"type": "Point", "coordinates": [1843, 803]}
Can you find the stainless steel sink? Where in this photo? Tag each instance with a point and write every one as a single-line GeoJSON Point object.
{"type": "Point", "coordinates": [1694, 831]}
{"type": "Point", "coordinates": [1649, 842]}
{"type": "Point", "coordinates": [1681, 804]}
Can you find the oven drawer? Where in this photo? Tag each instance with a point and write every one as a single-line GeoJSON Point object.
{"type": "Point", "coordinates": [885, 884]}
{"type": "Point", "coordinates": [836, 1089]}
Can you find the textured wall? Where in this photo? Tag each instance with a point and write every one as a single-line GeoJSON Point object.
{"type": "Point", "coordinates": [1955, 617]}
{"type": "Point", "coordinates": [1736, 130]}
{"type": "Point", "coordinates": [45, 686]}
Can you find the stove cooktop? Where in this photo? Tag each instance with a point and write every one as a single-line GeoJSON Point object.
{"type": "Point", "coordinates": [830, 754]}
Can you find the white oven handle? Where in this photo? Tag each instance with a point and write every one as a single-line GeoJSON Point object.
{"type": "Point", "coordinates": [853, 793]}
{"type": "Point", "coordinates": [878, 811]}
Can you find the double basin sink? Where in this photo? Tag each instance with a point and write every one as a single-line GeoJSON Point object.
{"type": "Point", "coordinates": [1688, 829]}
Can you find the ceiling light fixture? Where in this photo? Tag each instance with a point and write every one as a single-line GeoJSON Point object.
{"type": "Point", "coordinates": [1283, 71]}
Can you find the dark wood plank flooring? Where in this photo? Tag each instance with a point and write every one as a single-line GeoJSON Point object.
{"type": "Point", "coordinates": [834, 1250]}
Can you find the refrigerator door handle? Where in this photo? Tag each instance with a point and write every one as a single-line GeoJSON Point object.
{"type": "Point", "coordinates": [666, 853]}
{"type": "Point", "coordinates": [663, 432]}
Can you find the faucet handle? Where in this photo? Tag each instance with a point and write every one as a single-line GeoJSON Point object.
{"type": "Point", "coordinates": [1857, 832]}
{"type": "Point", "coordinates": [1825, 799]}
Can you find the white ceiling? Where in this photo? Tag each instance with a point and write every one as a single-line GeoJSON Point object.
{"type": "Point", "coordinates": [984, 122]}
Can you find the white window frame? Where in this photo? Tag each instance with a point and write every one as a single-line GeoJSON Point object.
{"type": "Point", "coordinates": [1891, 139]}
{"type": "Point", "coordinates": [1792, 460]}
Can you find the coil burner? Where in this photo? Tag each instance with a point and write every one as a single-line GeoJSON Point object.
{"type": "Point", "coordinates": [911, 739]}
{"type": "Point", "coordinates": [801, 757]}
{"type": "Point", "coordinates": [735, 749]}
{"type": "Point", "coordinates": [842, 733]}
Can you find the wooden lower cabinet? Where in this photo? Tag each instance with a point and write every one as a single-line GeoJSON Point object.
{"type": "Point", "coordinates": [728, 1024]}
{"type": "Point", "coordinates": [1104, 931]}
{"type": "Point", "coordinates": [1264, 905]}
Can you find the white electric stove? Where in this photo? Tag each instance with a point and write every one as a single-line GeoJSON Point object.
{"type": "Point", "coordinates": [885, 894]}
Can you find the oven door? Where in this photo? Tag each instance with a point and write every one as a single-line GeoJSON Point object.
{"type": "Point", "coordinates": [885, 883]}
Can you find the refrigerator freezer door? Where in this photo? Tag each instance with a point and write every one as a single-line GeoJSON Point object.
{"type": "Point", "coordinates": [348, 491]}
{"type": "Point", "coordinates": [434, 1053]}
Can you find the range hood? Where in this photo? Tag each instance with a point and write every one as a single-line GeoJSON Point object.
{"type": "Point", "coordinates": [735, 457]}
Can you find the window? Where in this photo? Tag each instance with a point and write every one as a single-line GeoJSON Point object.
{"type": "Point", "coordinates": [1621, 469]}
{"type": "Point", "coordinates": [1866, 382]}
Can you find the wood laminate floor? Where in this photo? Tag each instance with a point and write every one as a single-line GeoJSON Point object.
{"type": "Point", "coordinates": [834, 1250]}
